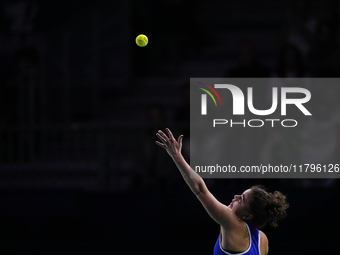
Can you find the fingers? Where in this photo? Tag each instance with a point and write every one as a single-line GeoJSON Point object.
{"type": "Point", "coordinates": [165, 139]}
{"type": "Point", "coordinates": [160, 144]}
{"type": "Point", "coordinates": [162, 136]}
{"type": "Point", "coordinates": [169, 133]}
{"type": "Point", "coordinates": [180, 139]}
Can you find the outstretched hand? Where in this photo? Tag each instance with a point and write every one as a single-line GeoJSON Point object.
{"type": "Point", "coordinates": [169, 143]}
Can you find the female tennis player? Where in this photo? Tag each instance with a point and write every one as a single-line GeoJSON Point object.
{"type": "Point", "coordinates": [241, 220]}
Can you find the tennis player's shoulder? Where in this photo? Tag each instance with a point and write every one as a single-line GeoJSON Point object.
{"type": "Point", "coordinates": [264, 248]}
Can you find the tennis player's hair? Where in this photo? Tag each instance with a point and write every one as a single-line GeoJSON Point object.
{"type": "Point", "coordinates": [266, 207]}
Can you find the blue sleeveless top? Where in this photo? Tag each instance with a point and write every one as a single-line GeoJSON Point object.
{"type": "Point", "coordinates": [253, 249]}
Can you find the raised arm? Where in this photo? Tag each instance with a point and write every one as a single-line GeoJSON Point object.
{"type": "Point", "coordinates": [218, 211]}
{"type": "Point", "coordinates": [173, 148]}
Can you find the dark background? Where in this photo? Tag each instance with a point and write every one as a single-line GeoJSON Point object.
{"type": "Point", "coordinates": [81, 103]}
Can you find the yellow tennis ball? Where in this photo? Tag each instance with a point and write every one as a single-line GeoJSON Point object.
{"type": "Point", "coordinates": [142, 40]}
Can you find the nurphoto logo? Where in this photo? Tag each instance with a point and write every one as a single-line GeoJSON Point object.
{"type": "Point", "coordinates": [238, 104]}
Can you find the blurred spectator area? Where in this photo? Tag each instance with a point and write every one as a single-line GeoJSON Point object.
{"type": "Point", "coordinates": [80, 102]}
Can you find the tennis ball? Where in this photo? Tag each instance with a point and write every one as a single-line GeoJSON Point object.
{"type": "Point", "coordinates": [142, 40]}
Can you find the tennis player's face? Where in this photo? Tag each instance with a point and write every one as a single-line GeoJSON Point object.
{"type": "Point", "coordinates": [239, 205]}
